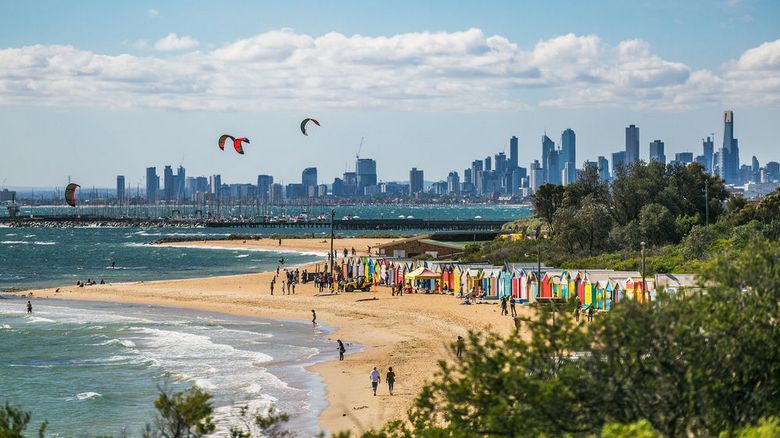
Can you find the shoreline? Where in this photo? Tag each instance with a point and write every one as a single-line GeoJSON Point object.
{"type": "Point", "coordinates": [409, 333]}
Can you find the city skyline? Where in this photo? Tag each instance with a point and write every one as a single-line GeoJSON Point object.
{"type": "Point", "coordinates": [162, 87]}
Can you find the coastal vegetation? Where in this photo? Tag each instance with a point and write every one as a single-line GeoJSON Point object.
{"type": "Point", "coordinates": [683, 214]}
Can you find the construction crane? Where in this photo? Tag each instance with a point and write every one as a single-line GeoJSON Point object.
{"type": "Point", "coordinates": [357, 155]}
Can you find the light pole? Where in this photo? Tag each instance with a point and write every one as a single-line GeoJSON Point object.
{"type": "Point", "coordinates": [706, 202]}
{"type": "Point", "coordinates": [332, 216]}
{"type": "Point", "coordinates": [644, 285]}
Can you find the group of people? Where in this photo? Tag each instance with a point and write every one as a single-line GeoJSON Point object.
{"type": "Point", "coordinates": [89, 282]}
{"type": "Point", "coordinates": [512, 309]}
{"type": "Point", "coordinates": [291, 278]}
{"type": "Point", "coordinates": [376, 379]}
{"type": "Point", "coordinates": [589, 313]}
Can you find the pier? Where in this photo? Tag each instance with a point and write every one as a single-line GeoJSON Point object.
{"type": "Point", "coordinates": [340, 224]}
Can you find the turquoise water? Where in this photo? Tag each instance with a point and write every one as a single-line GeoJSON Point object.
{"type": "Point", "coordinates": [40, 257]}
{"type": "Point", "coordinates": [95, 368]}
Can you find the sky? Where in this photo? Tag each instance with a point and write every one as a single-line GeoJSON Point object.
{"type": "Point", "coordinates": [92, 89]}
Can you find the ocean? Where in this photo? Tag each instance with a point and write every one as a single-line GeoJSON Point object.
{"type": "Point", "coordinates": [96, 368]}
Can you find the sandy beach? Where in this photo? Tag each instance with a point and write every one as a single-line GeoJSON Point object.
{"type": "Point", "coordinates": [410, 333]}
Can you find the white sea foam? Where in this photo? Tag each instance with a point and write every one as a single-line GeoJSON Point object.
{"type": "Point", "coordinates": [84, 396]}
{"type": "Point", "coordinates": [26, 242]}
{"type": "Point", "coordinates": [123, 342]}
{"type": "Point", "coordinates": [5, 326]}
{"type": "Point", "coordinates": [34, 319]}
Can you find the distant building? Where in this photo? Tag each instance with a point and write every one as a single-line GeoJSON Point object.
{"type": "Point", "coordinates": [152, 185]}
{"type": "Point", "coordinates": [771, 172]}
{"type": "Point", "coordinates": [568, 155]}
{"type": "Point", "coordinates": [264, 183]}
{"type": "Point", "coordinates": [707, 155]}
{"type": "Point", "coordinates": [603, 169]}
{"type": "Point", "coordinates": [549, 153]}
{"type": "Point", "coordinates": [7, 195]}
{"type": "Point", "coordinates": [683, 157]}
{"type": "Point", "coordinates": [513, 158]}
{"type": "Point", "coordinates": [536, 176]}
{"type": "Point", "coordinates": [275, 194]}
{"type": "Point", "coordinates": [488, 164]}
{"type": "Point", "coordinates": [168, 187]}
{"type": "Point", "coordinates": [632, 144]}
{"type": "Point", "coordinates": [618, 161]}
{"type": "Point", "coordinates": [657, 152]}
{"type": "Point", "coordinates": [453, 183]}
{"type": "Point", "coordinates": [728, 155]}
{"type": "Point", "coordinates": [309, 181]}
{"type": "Point", "coordinates": [215, 183]}
{"type": "Point", "coordinates": [366, 174]}
{"type": "Point", "coordinates": [120, 189]}
{"type": "Point", "coordinates": [295, 191]}
{"type": "Point", "coordinates": [416, 181]}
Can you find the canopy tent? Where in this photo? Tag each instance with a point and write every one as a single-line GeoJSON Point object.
{"type": "Point", "coordinates": [422, 273]}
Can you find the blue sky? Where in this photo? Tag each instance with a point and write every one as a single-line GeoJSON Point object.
{"type": "Point", "coordinates": [93, 89]}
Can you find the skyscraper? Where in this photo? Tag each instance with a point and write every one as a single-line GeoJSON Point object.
{"type": "Point", "coordinates": [632, 144]}
{"type": "Point", "coordinates": [453, 183]}
{"type": "Point", "coordinates": [152, 185]}
{"type": "Point", "coordinates": [264, 183]}
{"type": "Point", "coordinates": [708, 150]}
{"type": "Point", "coordinates": [120, 188]}
{"type": "Point", "coordinates": [365, 168]}
{"type": "Point", "coordinates": [618, 161]}
{"type": "Point", "coordinates": [309, 179]}
{"type": "Point", "coordinates": [657, 152]}
{"type": "Point", "coordinates": [168, 183]}
{"type": "Point", "coordinates": [488, 164]}
{"type": "Point", "coordinates": [416, 181]}
{"type": "Point", "coordinates": [178, 183]}
{"type": "Point", "coordinates": [729, 153]}
{"type": "Point", "coordinates": [548, 147]}
{"type": "Point", "coordinates": [500, 163]}
{"type": "Point", "coordinates": [568, 155]}
{"type": "Point", "coordinates": [536, 176]}
{"type": "Point", "coordinates": [513, 158]}
{"type": "Point", "coordinates": [603, 169]}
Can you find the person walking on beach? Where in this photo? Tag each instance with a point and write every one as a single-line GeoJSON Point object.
{"type": "Point", "coordinates": [29, 307]}
{"type": "Point", "coordinates": [375, 379]}
{"type": "Point", "coordinates": [390, 378]}
{"type": "Point", "coordinates": [292, 286]}
{"type": "Point", "coordinates": [342, 350]}
{"type": "Point", "coordinates": [460, 344]}
{"type": "Point", "coordinates": [503, 306]}
{"type": "Point", "coordinates": [512, 307]}
{"type": "Point", "coordinates": [280, 242]}
{"type": "Point", "coordinates": [283, 287]}
{"type": "Point", "coordinates": [272, 287]}
{"type": "Point", "coordinates": [313, 318]}
{"type": "Point", "coordinates": [577, 311]}
{"type": "Point", "coordinates": [590, 314]}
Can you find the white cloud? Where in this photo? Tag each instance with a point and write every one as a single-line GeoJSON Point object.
{"type": "Point", "coordinates": [468, 70]}
{"type": "Point", "coordinates": [173, 42]}
{"type": "Point", "coordinates": [153, 13]}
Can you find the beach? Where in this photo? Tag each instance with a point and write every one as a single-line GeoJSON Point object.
{"type": "Point", "coordinates": [410, 333]}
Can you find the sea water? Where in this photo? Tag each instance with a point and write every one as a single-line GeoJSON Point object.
{"type": "Point", "coordinates": [96, 368]}
{"type": "Point", "coordinates": [43, 257]}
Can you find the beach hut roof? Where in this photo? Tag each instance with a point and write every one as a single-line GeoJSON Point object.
{"type": "Point", "coordinates": [423, 273]}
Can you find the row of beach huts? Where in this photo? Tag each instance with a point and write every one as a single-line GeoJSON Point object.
{"type": "Point", "coordinates": [523, 282]}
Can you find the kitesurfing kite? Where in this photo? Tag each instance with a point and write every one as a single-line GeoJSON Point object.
{"type": "Point", "coordinates": [70, 194]}
{"type": "Point", "coordinates": [236, 142]}
{"type": "Point", "coordinates": [305, 121]}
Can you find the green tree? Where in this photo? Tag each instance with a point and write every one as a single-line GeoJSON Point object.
{"type": "Point", "coordinates": [185, 414]}
{"type": "Point", "coordinates": [14, 421]}
{"type": "Point", "coordinates": [657, 224]}
{"type": "Point", "coordinates": [547, 200]}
